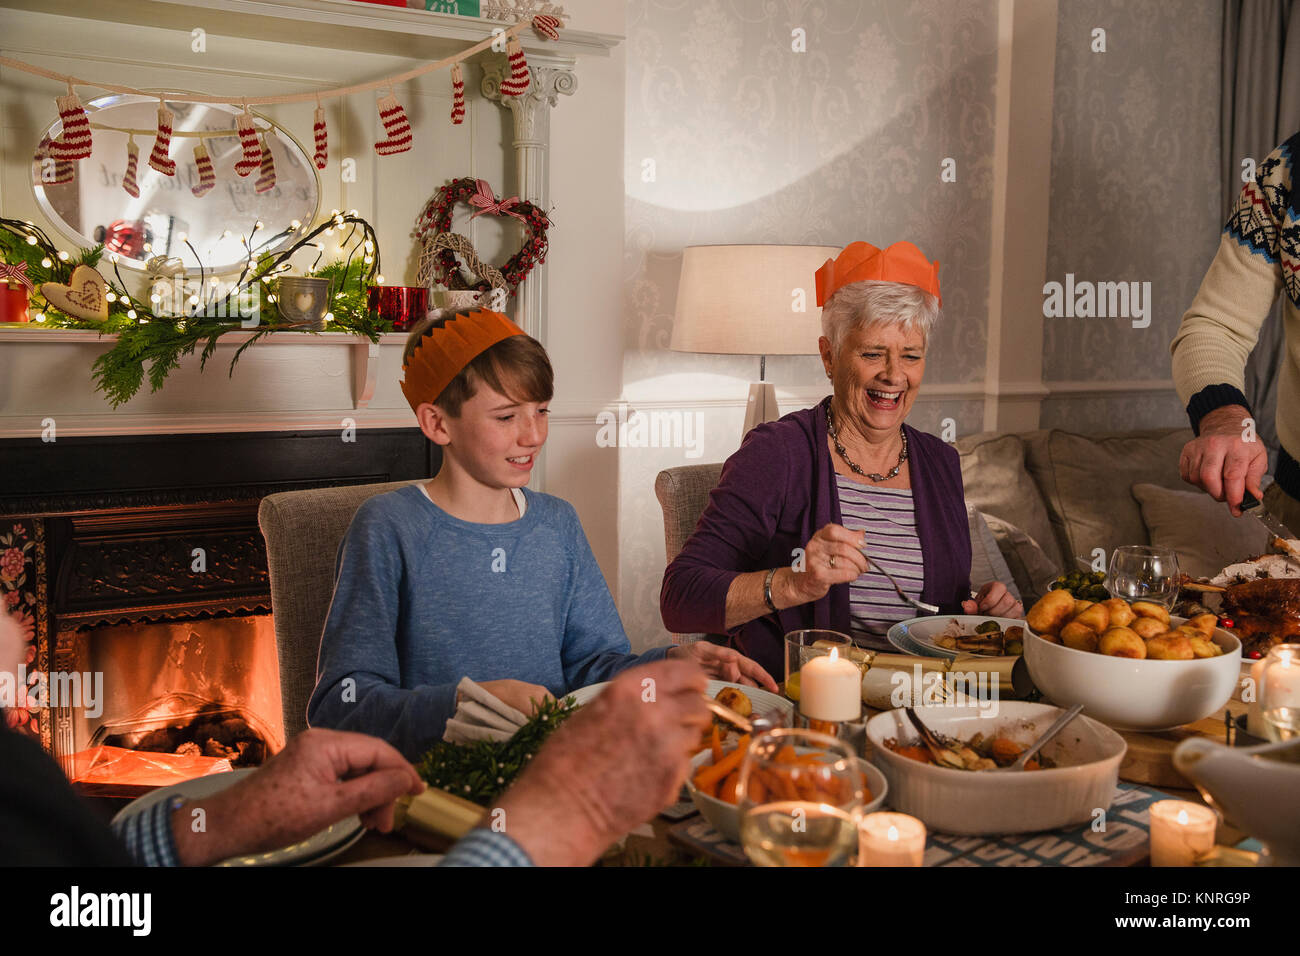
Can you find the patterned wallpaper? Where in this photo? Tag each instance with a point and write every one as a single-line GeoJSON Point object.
{"type": "Point", "coordinates": [1135, 192]}
{"type": "Point", "coordinates": [752, 142]}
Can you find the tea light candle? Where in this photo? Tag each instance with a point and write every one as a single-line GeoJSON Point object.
{"type": "Point", "coordinates": [1181, 832]}
{"type": "Point", "coordinates": [830, 688]}
{"type": "Point", "coordinates": [890, 839]}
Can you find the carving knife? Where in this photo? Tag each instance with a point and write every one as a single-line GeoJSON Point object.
{"type": "Point", "coordinates": [1250, 505]}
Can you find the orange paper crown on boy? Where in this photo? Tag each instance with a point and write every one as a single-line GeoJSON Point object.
{"type": "Point", "coordinates": [861, 261]}
{"type": "Point", "coordinates": [444, 352]}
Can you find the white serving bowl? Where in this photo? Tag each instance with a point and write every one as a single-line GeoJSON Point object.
{"type": "Point", "coordinates": [1133, 694]}
{"type": "Point", "coordinates": [725, 817]}
{"type": "Point", "coordinates": [1088, 755]}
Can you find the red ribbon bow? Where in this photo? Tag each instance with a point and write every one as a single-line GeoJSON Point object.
{"type": "Point", "coordinates": [487, 202]}
{"type": "Point", "coordinates": [18, 272]}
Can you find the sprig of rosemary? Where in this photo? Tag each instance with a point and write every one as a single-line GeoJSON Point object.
{"type": "Point", "coordinates": [482, 770]}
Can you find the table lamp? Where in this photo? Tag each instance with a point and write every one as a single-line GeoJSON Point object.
{"type": "Point", "coordinates": [750, 300]}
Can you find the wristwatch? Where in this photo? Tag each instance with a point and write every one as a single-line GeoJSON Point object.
{"type": "Point", "coordinates": [767, 590]}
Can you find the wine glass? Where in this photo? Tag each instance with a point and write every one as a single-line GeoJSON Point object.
{"type": "Point", "coordinates": [1279, 692]}
{"type": "Point", "coordinates": [1141, 573]}
{"type": "Point", "coordinates": [800, 794]}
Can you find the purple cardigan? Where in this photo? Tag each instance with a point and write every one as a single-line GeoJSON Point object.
{"type": "Point", "coordinates": [775, 492]}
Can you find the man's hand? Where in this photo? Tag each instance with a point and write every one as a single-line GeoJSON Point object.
{"type": "Point", "coordinates": [321, 777]}
{"type": "Point", "coordinates": [994, 600]}
{"type": "Point", "coordinates": [611, 767]}
{"type": "Point", "coordinates": [831, 556]}
{"type": "Point", "coordinates": [1221, 461]}
{"type": "Point", "coordinates": [725, 663]}
{"type": "Point", "coordinates": [517, 693]}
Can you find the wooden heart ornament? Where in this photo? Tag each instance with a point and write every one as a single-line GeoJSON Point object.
{"type": "Point", "coordinates": [85, 295]}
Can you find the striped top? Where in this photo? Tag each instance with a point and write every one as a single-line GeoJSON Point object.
{"type": "Point", "coordinates": [889, 519]}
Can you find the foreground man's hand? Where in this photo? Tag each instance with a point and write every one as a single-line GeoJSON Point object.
{"type": "Point", "coordinates": [321, 777]}
{"type": "Point", "coordinates": [611, 767]}
{"type": "Point", "coordinates": [1221, 461]}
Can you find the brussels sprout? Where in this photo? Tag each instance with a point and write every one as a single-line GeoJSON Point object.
{"type": "Point", "coordinates": [988, 627]}
{"type": "Point", "coordinates": [1014, 648]}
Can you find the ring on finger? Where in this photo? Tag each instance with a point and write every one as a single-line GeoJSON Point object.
{"type": "Point", "coordinates": [832, 562]}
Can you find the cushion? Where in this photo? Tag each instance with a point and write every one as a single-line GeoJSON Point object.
{"type": "Point", "coordinates": [1086, 482]}
{"type": "Point", "coordinates": [996, 482]}
{"type": "Point", "coordinates": [986, 561]}
{"type": "Point", "coordinates": [1031, 568]}
{"type": "Point", "coordinates": [1201, 530]}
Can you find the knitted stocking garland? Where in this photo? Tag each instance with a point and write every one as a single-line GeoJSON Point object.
{"type": "Point", "coordinates": [266, 178]}
{"type": "Point", "coordinates": [396, 126]}
{"type": "Point", "coordinates": [162, 142]}
{"type": "Point", "coordinates": [252, 158]}
{"type": "Point", "coordinates": [322, 138]}
{"type": "Point", "coordinates": [74, 141]}
{"type": "Point", "coordinates": [207, 175]}
{"type": "Point", "coordinates": [517, 82]}
{"type": "Point", "coordinates": [132, 161]}
{"type": "Point", "coordinates": [457, 95]}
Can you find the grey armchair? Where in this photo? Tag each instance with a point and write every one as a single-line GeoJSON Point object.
{"type": "Point", "coordinates": [303, 530]}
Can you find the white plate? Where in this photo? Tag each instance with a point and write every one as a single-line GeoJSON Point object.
{"type": "Point", "coordinates": [332, 840]}
{"type": "Point", "coordinates": [920, 634]}
{"type": "Point", "coordinates": [766, 704]}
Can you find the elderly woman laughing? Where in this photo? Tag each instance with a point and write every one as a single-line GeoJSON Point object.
{"type": "Point", "coordinates": [781, 544]}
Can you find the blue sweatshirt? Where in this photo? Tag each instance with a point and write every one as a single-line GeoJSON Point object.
{"type": "Point", "coordinates": [422, 599]}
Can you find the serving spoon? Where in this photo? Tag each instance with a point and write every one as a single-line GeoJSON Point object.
{"type": "Point", "coordinates": [1057, 726]}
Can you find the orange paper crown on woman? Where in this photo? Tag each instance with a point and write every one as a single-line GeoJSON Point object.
{"type": "Point", "coordinates": [862, 262]}
{"type": "Point", "coordinates": [444, 352]}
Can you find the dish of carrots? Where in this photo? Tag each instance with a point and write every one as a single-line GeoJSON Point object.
{"type": "Point", "coordinates": [788, 776]}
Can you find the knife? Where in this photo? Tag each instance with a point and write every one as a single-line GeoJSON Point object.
{"type": "Point", "coordinates": [1250, 505]}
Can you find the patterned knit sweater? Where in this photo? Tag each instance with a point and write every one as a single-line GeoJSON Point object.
{"type": "Point", "coordinates": [1259, 255]}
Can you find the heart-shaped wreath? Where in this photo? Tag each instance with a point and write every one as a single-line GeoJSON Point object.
{"type": "Point", "coordinates": [435, 220]}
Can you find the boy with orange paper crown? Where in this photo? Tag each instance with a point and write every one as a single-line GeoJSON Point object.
{"type": "Point", "coordinates": [469, 575]}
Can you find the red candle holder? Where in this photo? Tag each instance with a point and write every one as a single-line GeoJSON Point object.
{"type": "Point", "coordinates": [13, 303]}
{"type": "Point", "coordinates": [403, 305]}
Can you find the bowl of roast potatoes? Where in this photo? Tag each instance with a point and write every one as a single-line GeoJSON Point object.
{"type": "Point", "coordinates": [1130, 664]}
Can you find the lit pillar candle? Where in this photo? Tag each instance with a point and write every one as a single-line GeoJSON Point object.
{"type": "Point", "coordinates": [1181, 832]}
{"type": "Point", "coordinates": [890, 839]}
{"type": "Point", "coordinates": [830, 688]}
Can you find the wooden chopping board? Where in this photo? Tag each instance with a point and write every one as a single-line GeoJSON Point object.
{"type": "Point", "coordinates": [1150, 757]}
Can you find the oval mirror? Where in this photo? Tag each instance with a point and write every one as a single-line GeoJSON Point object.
{"type": "Point", "coordinates": [95, 207]}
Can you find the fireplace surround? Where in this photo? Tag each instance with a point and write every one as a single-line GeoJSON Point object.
{"type": "Point", "coordinates": [110, 534]}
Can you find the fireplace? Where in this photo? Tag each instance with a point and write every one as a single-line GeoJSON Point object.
{"type": "Point", "coordinates": [137, 570]}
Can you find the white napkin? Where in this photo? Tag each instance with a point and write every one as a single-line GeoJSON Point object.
{"type": "Point", "coordinates": [481, 716]}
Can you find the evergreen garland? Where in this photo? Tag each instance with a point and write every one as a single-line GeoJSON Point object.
{"type": "Point", "coordinates": [482, 770]}
{"type": "Point", "coordinates": [154, 344]}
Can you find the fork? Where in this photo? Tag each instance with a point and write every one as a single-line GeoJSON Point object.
{"type": "Point", "coordinates": [919, 605]}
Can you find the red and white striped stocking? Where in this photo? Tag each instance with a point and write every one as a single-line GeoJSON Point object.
{"type": "Point", "coordinates": [207, 175]}
{"type": "Point", "coordinates": [457, 95]}
{"type": "Point", "coordinates": [64, 170]}
{"type": "Point", "coordinates": [321, 134]}
{"type": "Point", "coordinates": [252, 158]}
{"type": "Point", "coordinates": [74, 141]}
{"type": "Point", "coordinates": [547, 25]}
{"type": "Point", "coordinates": [266, 178]}
{"type": "Point", "coordinates": [132, 161]}
{"type": "Point", "coordinates": [396, 126]}
{"type": "Point", "coordinates": [162, 142]}
{"type": "Point", "coordinates": [516, 84]}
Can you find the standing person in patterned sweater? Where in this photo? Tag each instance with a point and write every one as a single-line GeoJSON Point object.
{"type": "Point", "coordinates": [1259, 255]}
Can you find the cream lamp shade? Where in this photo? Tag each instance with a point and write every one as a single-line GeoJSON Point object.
{"type": "Point", "coordinates": [750, 300]}
{"type": "Point", "coordinates": [747, 300]}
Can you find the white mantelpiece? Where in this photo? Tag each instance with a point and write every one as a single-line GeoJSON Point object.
{"type": "Point", "coordinates": [286, 381]}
